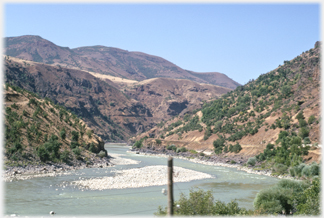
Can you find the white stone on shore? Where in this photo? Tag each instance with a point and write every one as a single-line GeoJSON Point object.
{"type": "Point", "coordinates": [141, 177]}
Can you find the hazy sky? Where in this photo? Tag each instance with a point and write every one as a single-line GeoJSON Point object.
{"type": "Point", "coordinates": [239, 40]}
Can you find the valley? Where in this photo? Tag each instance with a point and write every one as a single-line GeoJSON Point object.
{"type": "Point", "coordinates": [62, 105]}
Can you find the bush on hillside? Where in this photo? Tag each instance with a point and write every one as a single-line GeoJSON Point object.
{"type": "Point", "coordinates": [311, 119]}
{"type": "Point", "coordinates": [251, 161]}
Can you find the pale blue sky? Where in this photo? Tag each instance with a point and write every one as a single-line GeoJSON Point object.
{"type": "Point", "coordinates": [239, 40]}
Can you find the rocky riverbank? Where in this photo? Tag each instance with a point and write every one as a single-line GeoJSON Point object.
{"type": "Point", "coordinates": [224, 161]}
{"type": "Point", "coordinates": [51, 169]}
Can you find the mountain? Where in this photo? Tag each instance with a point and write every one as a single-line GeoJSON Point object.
{"type": "Point", "coordinates": [280, 108]}
{"type": "Point", "coordinates": [109, 112]}
{"type": "Point", "coordinates": [39, 131]}
{"type": "Point", "coordinates": [115, 108]}
{"type": "Point", "coordinates": [107, 60]}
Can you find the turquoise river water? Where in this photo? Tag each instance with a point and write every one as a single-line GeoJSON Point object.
{"type": "Point", "coordinates": [39, 196]}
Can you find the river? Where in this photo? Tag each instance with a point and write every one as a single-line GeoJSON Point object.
{"type": "Point", "coordinates": [39, 196]}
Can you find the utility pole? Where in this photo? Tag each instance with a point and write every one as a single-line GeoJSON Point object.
{"type": "Point", "coordinates": [170, 187]}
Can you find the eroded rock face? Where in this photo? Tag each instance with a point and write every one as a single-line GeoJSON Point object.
{"type": "Point", "coordinates": [166, 98]}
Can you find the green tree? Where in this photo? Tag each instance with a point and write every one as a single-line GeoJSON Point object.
{"type": "Point", "coordinates": [63, 133]}
{"type": "Point", "coordinates": [251, 161]}
{"type": "Point", "coordinates": [311, 119]}
{"type": "Point", "coordinates": [309, 201]}
{"type": "Point", "coordinates": [75, 136]}
{"type": "Point", "coordinates": [279, 198]}
{"type": "Point", "coordinates": [201, 203]}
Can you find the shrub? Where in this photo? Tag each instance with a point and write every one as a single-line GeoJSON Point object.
{"type": "Point", "coordinates": [193, 151]}
{"type": "Point", "coordinates": [311, 119]}
{"type": "Point", "coordinates": [89, 133]}
{"type": "Point", "coordinates": [63, 133]}
{"type": "Point", "coordinates": [237, 148]}
{"type": "Point", "coordinates": [309, 201]}
{"type": "Point", "coordinates": [300, 115]}
{"type": "Point", "coordinates": [218, 150]}
{"type": "Point", "coordinates": [279, 198]}
{"type": "Point", "coordinates": [302, 123]}
{"type": "Point", "coordinates": [251, 161]}
{"type": "Point", "coordinates": [74, 144]}
{"type": "Point", "coordinates": [49, 150]}
{"type": "Point", "coordinates": [65, 156]}
{"type": "Point", "coordinates": [172, 147]}
{"type": "Point", "coordinates": [32, 101]}
{"type": "Point", "coordinates": [314, 169]}
{"type": "Point", "coordinates": [233, 162]}
{"type": "Point", "coordinates": [43, 154]}
{"type": "Point", "coordinates": [158, 141]}
{"type": "Point", "coordinates": [270, 146]}
{"type": "Point", "coordinates": [92, 147]}
{"type": "Point", "coordinates": [14, 106]}
{"type": "Point", "coordinates": [75, 136]}
{"type": "Point", "coordinates": [102, 154]}
{"type": "Point", "coordinates": [202, 203]}
{"type": "Point", "coordinates": [183, 149]}
{"type": "Point", "coordinates": [280, 168]}
{"type": "Point", "coordinates": [76, 151]}
{"type": "Point", "coordinates": [303, 132]}
{"type": "Point", "coordinates": [307, 140]}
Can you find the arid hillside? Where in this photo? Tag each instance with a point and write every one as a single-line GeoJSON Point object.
{"type": "Point", "coordinates": [169, 97]}
{"type": "Point", "coordinates": [115, 108]}
{"type": "Point", "coordinates": [287, 100]}
{"type": "Point", "coordinates": [108, 111]}
{"type": "Point", "coordinates": [107, 60]}
{"type": "Point", "coordinates": [37, 130]}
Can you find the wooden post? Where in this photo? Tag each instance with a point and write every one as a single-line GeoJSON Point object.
{"type": "Point", "coordinates": [170, 187]}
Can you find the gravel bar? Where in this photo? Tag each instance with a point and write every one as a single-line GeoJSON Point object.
{"type": "Point", "coordinates": [140, 177]}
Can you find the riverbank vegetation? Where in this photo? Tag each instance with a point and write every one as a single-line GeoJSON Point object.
{"type": "Point", "coordinates": [288, 197]}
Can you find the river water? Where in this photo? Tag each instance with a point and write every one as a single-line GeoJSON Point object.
{"type": "Point", "coordinates": [39, 196]}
